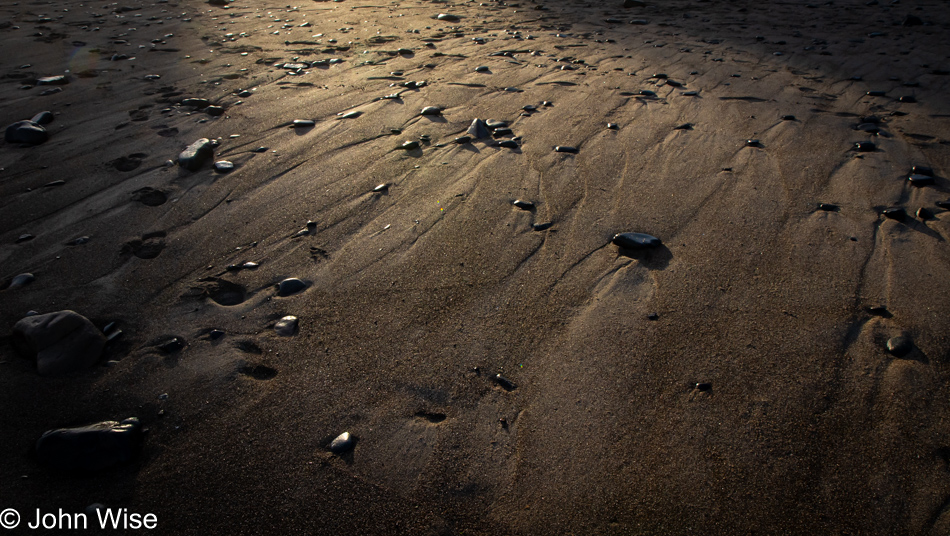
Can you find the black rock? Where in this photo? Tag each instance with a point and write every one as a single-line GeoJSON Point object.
{"type": "Point", "coordinates": [828, 207]}
{"type": "Point", "coordinates": [461, 140]}
{"type": "Point", "coordinates": [899, 346]}
{"type": "Point", "coordinates": [703, 386]}
{"type": "Point", "coordinates": [492, 124]}
{"type": "Point", "coordinates": [409, 145]}
{"type": "Point", "coordinates": [504, 382]}
{"type": "Point", "coordinates": [214, 110]}
{"type": "Point", "coordinates": [912, 20]}
{"type": "Point", "coordinates": [502, 132]}
{"type": "Point", "coordinates": [924, 214]}
{"type": "Point", "coordinates": [25, 237]}
{"type": "Point", "coordinates": [26, 132]}
{"type": "Point", "coordinates": [196, 155]}
{"type": "Point", "coordinates": [60, 342]}
{"type": "Point", "coordinates": [909, 99]}
{"type": "Point", "coordinates": [431, 110]}
{"type": "Point", "coordinates": [448, 17]}
{"type": "Point", "coordinates": [922, 170]}
{"type": "Point", "coordinates": [613, 126]}
{"type": "Point", "coordinates": [92, 448]}
{"type": "Point", "coordinates": [943, 204]}
{"type": "Point", "coordinates": [788, 118]}
{"type": "Point", "coordinates": [21, 280]}
{"type": "Point", "coordinates": [173, 345]}
{"type": "Point", "coordinates": [509, 144]}
{"type": "Point", "coordinates": [522, 204]}
{"type": "Point", "coordinates": [895, 213]}
{"type": "Point", "coordinates": [303, 123]}
{"type": "Point", "coordinates": [195, 102]}
{"type": "Point", "coordinates": [565, 149]}
{"type": "Point", "coordinates": [876, 93]}
{"type": "Point", "coordinates": [290, 286]}
{"type": "Point", "coordinates": [753, 143]}
{"type": "Point", "coordinates": [634, 3]}
{"type": "Point", "coordinates": [542, 226]}
{"type": "Point", "coordinates": [864, 147]}
{"type": "Point", "coordinates": [684, 126]}
{"type": "Point", "coordinates": [342, 443]}
{"type": "Point", "coordinates": [259, 150]}
{"type": "Point", "coordinates": [920, 180]}
{"type": "Point", "coordinates": [43, 118]}
{"type": "Point", "coordinates": [653, 316]}
{"type": "Point", "coordinates": [636, 241]}
{"type": "Point", "coordinates": [286, 326]}
{"type": "Point", "coordinates": [879, 310]}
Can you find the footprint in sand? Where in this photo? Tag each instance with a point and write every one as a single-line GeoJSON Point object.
{"type": "Point", "coordinates": [149, 196]}
{"type": "Point", "coordinates": [258, 371]}
{"type": "Point", "coordinates": [148, 247]}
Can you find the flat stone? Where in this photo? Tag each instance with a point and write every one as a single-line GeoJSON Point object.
{"type": "Point", "coordinates": [492, 124]}
{"type": "Point", "coordinates": [788, 118]}
{"type": "Point", "coordinates": [410, 145]}
{"type": "Point", "coordinates": [195, 102]}
{"type": "Point", "coordinates": [214, 110]}
{"type": "Point", "coordinates": [43, 118]}
{"type": "Point", "coordinates": [895, 213]}
{"type": "Point", "coordinates": [508, 144]}
{"type": "Point", "coordinates": [26, 132]}
{"type": "Point", "coordinates": [565, 149]}
{"type": "Point", "coordinates": [60, 342]}
{"type": "Point", "coordinates": [920, 180]}
{"type": "Point", "coordinates": [461, 140]}
{"type": "Point", "coordinates": [482, 69]}
{"type": "Point", "coordinates": [59, 80]}
{"type": "Point", "coordinates": [21, 280]}
{"type": "Point", "coordinates": [613, 126]}
{"type": "Point", "coordinates": [90, 448]}
{"type": "Point", "coordinates": [448, 17]}
{"type": "Point", "coordinates": [290, 286]}
{"type": "Point", "coordinates": [922, 170]}
{"type": "Point", "coordinates": [753, 143]}
{"type": "Point", "coordinates": [924, 214]}
{"type": "Point", "coordinates": [223, 166]}
{"type": "Point", "coordinates": [828, 207]}
{"type": "Point", "coordinates": [196, 155]}
{"type": "Point", "coordinates": [522, 204]}
{"type": "Point", "coordinates": [304, 123]}
{"type": "Point", "coordinates": [431, 110]}
{"type": "Point", "coordinates": [504, 382]}
{"type": "Point", "coordinates": [899, 346]}
{"type": "Point", "coordinates": [286, 326]}
{"type": "Point", "coordinates": [381, 188]}
{"type": "Point", "coordinates": [173, 345]}
{"type": "Point", "coordinates": [864, 147]}
{"type": "Point", "coordinates": [542, 226]}
{"type": "Point", "coordinates": [342, 443]}
{"type": "Point", "coordinates": [636, 241]}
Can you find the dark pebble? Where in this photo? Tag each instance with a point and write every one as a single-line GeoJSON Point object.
{"type": "Point", "coordinates": [26, 132]}
{"type": "Point", "coordinates": [223, 166]}
{"type": "Point", "coordinates": [879, 310]}
{"type": "Point", "coordinates": [909, 99]}
{"type": "Point", "coordinates": [876, 93]}
{"type": "Point", "coordinates": [943, 204]}
{"type": "Point", "coordinates": [21, 280]}
{"type": "Point", "coordinates": [342, 443]}
{"type": "Point", "coordinates": [58, 80]}
{"type": "Point", "coordinates": [173, 345]}
{"type": "Point", "coordinates": [704, 386]}
{"type": "Point", "coordinates": [613, 126]}
{"type": "Point", "coordinates": [24, 238]}
{"type": "Point", "coordinates": [788, 118]}
{"type": "Point", "coordinates": [920, 180]}
{"type": "Point", "coordinates": [565, 149]}
{"type": "Point", "coordinates": [522, 204]}
{"type": "Point", "coordinates": [684, 126]}
{"type": "Point", "coordinates": [504, 382]}
{"type": "Point", "coordinates": [922, 170]}
{"type": "Point", "coordinates": [636, 240]}
{"type": "Point", "coordinates": [492, 124]}
{"type": "Point", "coordinates": [431, 110]}
{"type": "Point", "coordinates": [461, 140]}
{"type": "Point", "coordinates": [215, 334]}
{"type": "Point", "coordinates": [259, 150]}
{"type": "Point", "coordinates": [303, 123]}
{"type": "Point", "coordinates": [409, 145]}
{"type": "Point", "coordinates": [753, 143]}
{"type": "Point", "coordinates": [828, 207]}
{"type": "Point", "coordinates": [899, 346]}
{"type": "Point", "coordinates": [214, 110]}
{"type": "Point", "coordinates": [286, 326]}
{"type": "Point", "coordinates": [448, 17]}
{"type": "Point", "coordinates": [290, 286]}
{"type": "Point", "coordinates": [43, 118]}
{"type": "Point", "coordinates": [895, 213]}
{"type": "Point", "coordinates": [195, 102]}
{"type": "Point", "coordinates": [924, 214]}
{"type": "Point", "coordinates": [653, 316]}
{"type": "Point", "coordinates": [509, 144]}
{"type": "Point", "coordinates": [864, 147]}
{"type": "Point", "coordinates": [542, 226]}
{"type": "Point", "coordinates": [60, 342]}
{"type": "Point", "coordinates": [912, 20]}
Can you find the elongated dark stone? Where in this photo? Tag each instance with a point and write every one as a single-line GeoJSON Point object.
{"type": "Point", "coordinates": [636, 241]}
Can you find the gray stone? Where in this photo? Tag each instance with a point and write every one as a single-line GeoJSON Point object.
{"type": "Point", "coordinates": [196, 155]}
{"type": "Point", "coordinates": [448, 17]}
{"type": "Point", "coordinates": [92, 448]}
{"type": "Point", "coordinates": [431, 110]}
{"type": "Point", "coordinates": [286, 326]}
{"type": "Point", "coordinates": [290, 286]}
{"type": "Point", "coordinates": [522, 204]}
{"type": "Point", "coordinates": [636, 241]}
{"type": "Point", "coordinates": [26, 132]}
{"type": "Point", "coordinates": [21, 280]}
{"type": "Point", "coordinates": [58, 80]}
{"type": "Point", "coordinates": [342, 443]}
{"type": "Point", "coordinates": [61, 342]}
{"type": "Point", "coordinates": [195, 102]}
{"type": "Point", "coordinates": [223, 166]}
{"type": "Point", "coordinates": [43, 118]}
{"type": "Point", "coordinates": [304, 123]}
{"type": "Point", "coordinates": [478, 129]}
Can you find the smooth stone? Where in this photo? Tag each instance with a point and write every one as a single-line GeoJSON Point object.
{"type": "Point", "coordinates": [290, 286]}
{"type": "Point", "coordinates": [173, 345]}
{"type": "Point", "coordinates": [943, 204]}
{"type": "Point", "coordinates": [924, 214]}
{"type": "Point", "coordinates": [909, 99]}
{"type": "Point", "coordinates": [876, 93]}
{"type": "Point", "coordinates": [565, 149]}
{"type": "Point", "coordinates": [895, 213]}
{"type": "Point", "coordinates": [647, 93]}
{"type": "Point", "coordinates": [58, 80]}
{"type": "Point", "coordinates": [492, 124]}
{"type": "Point", "coordinates": [90, 448]}
{"type": "Point", "coordinates": [478, 129]}
{"type": "Point", "coordinates": [351, 115]}
{"type": "Point", "coordinates": [828, 207]}
{"type": "Point", "coordinates": [286, 326]}
{"type": "Point", "coordinates": [21, 280]}
{"type": "Point", "coordinates": [508, 144]}
{"type": "Point", "coordinates": [463, 140]}
{"type": "Point", "coordinates": [25, 237]}
{"type": "Point", "coordinates": [303, 123]}
{"type": "Point", "coordinates": [899, 346]}
{"type": "Point", "coordinates": [409, 145]}
{"type": "Point", "coordinates": [788, 118]}
{"type": "Point", "coordinates": [653, 316]}
{"type": "Point", "coordinates": [613, 126]}
{"type": "Point", "coordinates": [214, 110]}
{"type": "Point", "coordinates": [196, 154]}
{"type": "Point", "coordinates": [60, 342]}
{"type": "Point", "coordinates": [449, 17]}
{"type": "Point", "coordinates": [920, 180]}
{"type": "Point", "coordinates": [502, 132]}
{"type": "Point", "coordinates": [922, 170]}
{"type": "Point", "coordinates": [684, 126]}
{"type": "Point", "coordinates": [634, 3]}
{"type": "Point", "coordinates": [223, 166]}
{"type": "Point", "coordinates": [342, 443]}
{"type": "Point", "coordinates": [43, 118]}
{"type": "Point", "coordinates": [522, 204]}
{"type": "Point", "coordinates": [481, 69]}
{"type": "Point", "coordinates": [504, 382]}
{"type": "Point", "coordinates": [636, 241]}
{"type": "Point", "coordinates": [864, 147]}
{"type": "Point", "coordinates": [529, 108]}
{"type": "Point", "coordinates": [195, 102]}
{"type": "Point", "coordinates": [259, 150]}
{"type": "Point", "coordinates": [380, 188]}
{"type": "Point", "coordinates": [431, 110]}
{"type": "Point", "coordinates": [26, 132]}
{"type": "Point", "coordinates": [753, 143]}
{"type": "Point", "coordinates": [542, 226]}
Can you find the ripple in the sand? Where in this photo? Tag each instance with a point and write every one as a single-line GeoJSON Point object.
{"type": "Point", "coordinates": [342, 443]}
{"type": "Point", "coordinates": [290, 286]}
{"type": "Point", "coordinates": [286, 326]}
{"type": "Point", "coordinates": [636, 241]}
{"type": "Point", "coordinates": [149, 196]}
{"type": "Point", "coordinates": [259, 372]}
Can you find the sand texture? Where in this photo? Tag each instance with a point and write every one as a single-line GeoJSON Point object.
{"type": "Point", "coordinates": [502, 368]}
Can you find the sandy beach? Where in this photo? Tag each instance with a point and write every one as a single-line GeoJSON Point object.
{"type": "Point", "coordinates": [433, 190]}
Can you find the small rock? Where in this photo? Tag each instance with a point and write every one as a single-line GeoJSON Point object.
{"type": "Point", "coordinates": [876, 93]}
{"type": "Point", "coordinates": [461, 140]}
{"type": "Point", "coordinates": [924, 214]}
{"type": "Point", "coordinates": [899, 346]}
{"type": "Point", "coordinates": [78, 241]}
{"type": "Point", "coordinates": [478, 129]}
{"type": "Point", "coordinates": [523, 205]}
{"type": "Point", "coordinates": [448, 17]}
{"type": "Point", "coordinates": [504, 382]}
{"type": "Point", "coordinates": [90, 448]}
{"type": "Point", "coordinates": [492, 124]}
{"type": "Point", "coordinates": [304, 123]}
{"type": "Point", "coordinates": [195, 102]}
{"type": "Point", "coordinates": [196, 154]}
{"type": "Point", "coordinates": [25, 237]}
{"type": "Point", "coordinates": [380, 188]}
{"type": "Point", "coordinates": [636, 241]}
{"type": "Point", "coordinates": [482, 69]}
{"type": "Point", "coordinates": [895, 213]}
{"type": "Point", "coordinates": [342, 443]}
{"type": "Point", "coordinates": [43, 118]}
{"type": "Point", "coordinates": [60, 342]}
{"type": "Point", "coordinates": [613, 126]}
{"type": "Point", "coordinates": [508, 144]}
{"type": "Point", "coordinates": [26, 132]}
{"type": "Point", "coordinates": [920, 180]}
{"type": "Point", "coordinates": [431, 110]}
{"type": "Point", "coordinates": [908, 99]}
{"type": "Point", "coordinates": [351, 115]}
{"type": "Point", "coordinates": [59, 80]}
{"type": "Point", "coordinates": [565, 149]}
{"type": "Point", "coordinates": [788, 118]}
{"type": "Point", "coordinates": [684, 126]}
{"type": "Point", "coordinates": [223, 166]}
{"type": "Point", "coordinates": [21, 280]}
{"type": "Point", "coordinates": [286, 326]}
{"type": "Point", "coordinates": [912, 20]}
{"type": "Point", "coordinates": [922, 170]}
{"type": "Point", "coordinates": [173, 345]}
{"type": "Point", "coordinates": [864, 147]}
{"type": "Point", "coordinates": [542, 226]}
{"type": "Point", "coordinates": [753, 143]}
{"type": "Point", "coordinates": [409, 145]}
{"type": "Point", "coordinates": [290, 286]}
{"type": "Point", "coordinates": [214, 110]}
